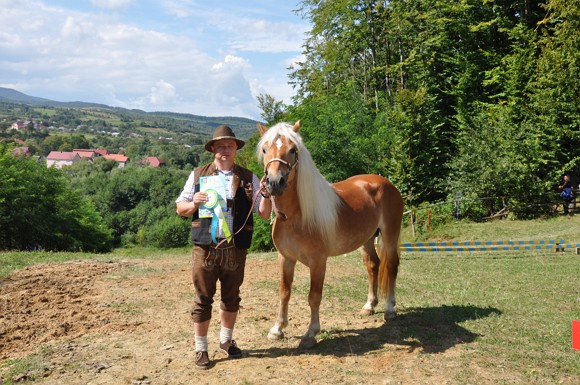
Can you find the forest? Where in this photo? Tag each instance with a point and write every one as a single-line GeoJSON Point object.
{"type": "Point", "coordinates": [476, 99]}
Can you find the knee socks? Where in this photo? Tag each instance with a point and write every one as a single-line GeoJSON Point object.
{"type": "Point", "coordinates": [201, 343]}
{"type": "Point", "coordinates": [226, 334]}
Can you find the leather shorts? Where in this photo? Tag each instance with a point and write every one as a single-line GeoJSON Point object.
{"type": "Point", "coordinates": [225, 264]}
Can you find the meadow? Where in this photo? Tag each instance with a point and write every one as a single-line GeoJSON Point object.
{"type": "Point", "coordinates": [463, 318]}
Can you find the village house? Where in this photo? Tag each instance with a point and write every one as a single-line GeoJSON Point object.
{"type": "Point", "coordinates": [20, 125]}
{"type": "Point", "coordinates": [58, 159]}
{"type": "Point", "coordinates": [152, 161]}
{"type": "Point", "coordinates": [94, 152]}
{"type": "Point", "coordinates": [121, 159]}
{"type": "Point", "coordinates": [86, 154]}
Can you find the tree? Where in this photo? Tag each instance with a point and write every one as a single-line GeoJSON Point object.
{"type": "Point", "coordinates": [39, 209]}
{"type": "Point", "coordinates": [272, 110]}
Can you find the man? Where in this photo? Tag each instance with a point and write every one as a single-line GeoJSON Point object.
{"type": "Point", "coordinates": [216, 256]}
{"type": "Point", "coordinates": [567, 193]}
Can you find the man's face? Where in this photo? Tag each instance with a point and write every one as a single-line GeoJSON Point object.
{"type": "Point", "coordinates": [225, 149]}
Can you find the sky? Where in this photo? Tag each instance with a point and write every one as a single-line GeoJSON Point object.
{"type": "Point", "coordinates": [210, 58]}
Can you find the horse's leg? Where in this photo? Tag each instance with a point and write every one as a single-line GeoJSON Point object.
{"type": "Point", "coordinates": [286, 277]}
{"type": "Point", "coordinates": [371, 261]}
{"type": "Point", "coordinates": [389, 262]}
{"type": "Point", "coordinates": [317, 273]}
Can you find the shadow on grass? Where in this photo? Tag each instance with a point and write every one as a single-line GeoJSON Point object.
{"type": "Point", "coordinates": [433, 329]}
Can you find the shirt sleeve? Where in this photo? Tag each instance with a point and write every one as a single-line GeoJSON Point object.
{"type": "Point", "coordinates": [188, 190]}
{"type": "Point", "coordinates": [256, 190]}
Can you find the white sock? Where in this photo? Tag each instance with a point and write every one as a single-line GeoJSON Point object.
{"type": "Point", "coordinates": [226, 334]}
{"type": "Point", "coordinates": [201, 343]}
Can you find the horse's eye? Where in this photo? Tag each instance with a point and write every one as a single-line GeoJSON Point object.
{"type": "Point", "coordinates": [264, 150]}
{"type": "Point", "coordinates": [292, 151]}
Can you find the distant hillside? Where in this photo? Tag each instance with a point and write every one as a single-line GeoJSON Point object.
{"type": "Point", "coordinates": [12, 96]}
{"type": "Point", "coordinates": [203, 125]}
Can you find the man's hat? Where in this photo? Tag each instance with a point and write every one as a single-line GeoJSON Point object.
{"type": "Point", "coordinates": [223, 132]}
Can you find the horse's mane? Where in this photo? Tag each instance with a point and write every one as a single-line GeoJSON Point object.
{"type": "Point", "coordinates": [318, 201]}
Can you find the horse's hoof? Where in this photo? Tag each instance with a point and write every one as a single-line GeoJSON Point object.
{"type": "Point", "coordinates": [364, 311]}
{"type": "Point", "coordinates": [390, 315]}
{"type": "Point", "coordinates": [307, 343]}
{"type": "Point", "coordinates": [275, 336]}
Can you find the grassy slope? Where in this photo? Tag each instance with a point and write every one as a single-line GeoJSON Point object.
{"type": "Point", "coordinates": [552, 228]}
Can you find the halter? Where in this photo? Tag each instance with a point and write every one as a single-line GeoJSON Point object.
{"type": "Point", "coordinates": [287, 164]}
{"type": "Point", "coordinates": [278, 213]}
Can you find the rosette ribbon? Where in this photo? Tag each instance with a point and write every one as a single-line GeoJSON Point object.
{"type": "Point", "coordinates": [218, 216]}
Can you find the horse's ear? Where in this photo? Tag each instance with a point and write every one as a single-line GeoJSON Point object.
{"type": "Point", "coordinates": [261, 128]}
{"type": "Point", "coordinates": [296, 127]}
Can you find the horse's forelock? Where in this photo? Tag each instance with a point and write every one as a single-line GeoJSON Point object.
{"type": "Point", "coordinates": [279, 129]}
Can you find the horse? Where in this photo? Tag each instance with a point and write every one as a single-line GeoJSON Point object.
{"type": "Point", "coordinates": [315, 219]}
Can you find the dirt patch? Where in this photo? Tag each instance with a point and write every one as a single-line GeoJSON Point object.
{"type": "Point", "coordinates": [128, 323]}
{"type": "Point", "coordinates": [48, 302]}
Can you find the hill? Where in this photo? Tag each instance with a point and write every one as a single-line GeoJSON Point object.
{"type": "Point", "coordinates": [10, 95]}
{"type": "Point", "coordinates": [17, 105]}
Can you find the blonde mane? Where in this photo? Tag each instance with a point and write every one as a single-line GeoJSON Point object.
{"type": "Point", "coordinates": [318, 201]}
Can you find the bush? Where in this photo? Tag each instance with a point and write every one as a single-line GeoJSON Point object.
{"type": "Point", "coordinates": [262, 238]}
{"type": "Point", "coordinates": [168, 233]}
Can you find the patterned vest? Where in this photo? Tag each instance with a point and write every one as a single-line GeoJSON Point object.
{"type": "Point", "coordinates": [240, 207]}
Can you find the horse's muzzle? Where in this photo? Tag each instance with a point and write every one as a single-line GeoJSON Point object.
{"type": "Point", "coordinates": [275, 184]}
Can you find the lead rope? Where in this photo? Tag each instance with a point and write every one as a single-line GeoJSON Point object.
{"type": "Point", "coordinates": [264, 194]}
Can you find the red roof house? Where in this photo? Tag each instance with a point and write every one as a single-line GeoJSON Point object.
{"type": "Point", "coordinates": [59, 159]}
{"type": "Point", "coordinates": [85, 154]}
{"type": "Point", "coordinates": [152, 161]}
{"type": "Point", "coordinates": [121, 159]}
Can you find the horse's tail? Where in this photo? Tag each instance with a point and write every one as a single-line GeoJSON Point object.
{"type": "Point", "coordinates": [389, 265]}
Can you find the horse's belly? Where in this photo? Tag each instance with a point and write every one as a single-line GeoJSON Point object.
{"type": "Point", "coordinates": [302, 247]}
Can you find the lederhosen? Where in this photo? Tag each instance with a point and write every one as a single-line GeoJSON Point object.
{"type": "Point", "coordinates": [225, 263]}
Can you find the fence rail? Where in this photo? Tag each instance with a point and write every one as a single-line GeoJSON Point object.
{"type": "Point", "coordinates": [558, 245]}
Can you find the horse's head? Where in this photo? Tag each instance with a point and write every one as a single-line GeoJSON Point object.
{"type": "Point", "coordinates": [279, 153]}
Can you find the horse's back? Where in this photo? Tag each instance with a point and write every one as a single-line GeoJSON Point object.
{"type": "Point", "coordinates": [367, 189]}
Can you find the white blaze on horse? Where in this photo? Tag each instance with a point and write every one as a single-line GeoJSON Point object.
{"type": "Point", "coordinates": [316, 219]}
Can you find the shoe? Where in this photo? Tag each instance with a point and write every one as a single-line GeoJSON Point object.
{"type": "Point", "coordinates": [202, 360]}
{"type": "Point", "coordinates": [231, 349]}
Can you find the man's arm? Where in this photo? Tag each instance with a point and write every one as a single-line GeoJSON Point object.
{"type": "Point", "coordinates": [264, 204]}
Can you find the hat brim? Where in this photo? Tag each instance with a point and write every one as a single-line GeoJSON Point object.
{"type": "Point", "coordinates": [239, 142]}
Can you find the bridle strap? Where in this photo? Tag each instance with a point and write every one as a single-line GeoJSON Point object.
{"type": "Point", "coordinates": [279, 160]}
{"type": "Point", "coordinates": [290, 166]}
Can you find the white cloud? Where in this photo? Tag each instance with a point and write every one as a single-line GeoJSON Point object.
{"type": "Point", "coordinates": [266, 36]}
{"type": "Point", "coordinates": [66, 54]}
{"type": "Point", "coordinates": [162, 94]}
{"type": "Point", "coordinates": [111, 4]}
{"type": "Point", "coordinates": [178, 8]}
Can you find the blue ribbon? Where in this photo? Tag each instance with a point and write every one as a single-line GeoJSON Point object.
{"type": "Point", "coordinates": [218, 215]}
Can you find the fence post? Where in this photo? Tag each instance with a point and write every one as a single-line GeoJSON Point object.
{"type": "Point", "coordinates": [457, 204]}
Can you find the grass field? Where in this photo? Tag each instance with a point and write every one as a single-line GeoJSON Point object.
{"type": "Point", "coordinates": [510, 312]}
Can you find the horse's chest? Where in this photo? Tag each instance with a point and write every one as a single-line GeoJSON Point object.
{"type": "Point", "coordinates": [293, 242]}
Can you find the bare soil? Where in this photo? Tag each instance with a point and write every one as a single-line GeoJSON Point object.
{"type": "Point", "coordinates": [89, 322]}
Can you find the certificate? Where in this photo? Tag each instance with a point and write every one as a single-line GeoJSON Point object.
{"type": "Point", "coordinates": [215, 188]}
